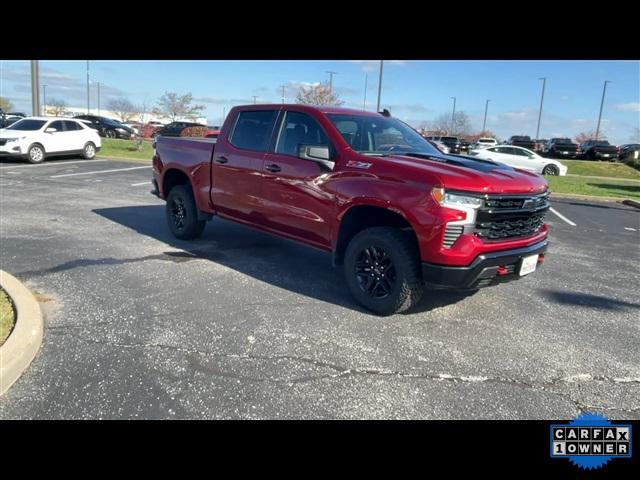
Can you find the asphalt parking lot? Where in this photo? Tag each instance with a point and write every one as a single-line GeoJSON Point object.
{"type": "Point", "coordinates": [240, 324]}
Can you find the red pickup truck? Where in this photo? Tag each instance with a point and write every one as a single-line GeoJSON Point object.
{"type": "Point", "coordinates": [395, 212]}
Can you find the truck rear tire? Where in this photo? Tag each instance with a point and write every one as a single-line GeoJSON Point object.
{"type": "Point", "coordinates": [382, 269]}
{"type": "Point", "coordinates": [182, 213]}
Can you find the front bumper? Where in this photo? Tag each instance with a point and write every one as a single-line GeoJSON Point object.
{"type": "Point", "coordinates": [483, 271]}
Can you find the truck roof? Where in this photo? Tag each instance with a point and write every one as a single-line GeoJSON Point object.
{"type": "Point", "coordinates": [302, 107]}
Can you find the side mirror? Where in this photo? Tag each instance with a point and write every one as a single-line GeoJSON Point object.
{"type": "Point", "coordinates": [50, 130]}
{"type": "Point", "coordinates": [316, 153]}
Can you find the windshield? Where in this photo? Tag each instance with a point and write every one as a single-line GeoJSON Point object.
{"type": "Point", "coordinates": [27, 125]}
{"type": "Point", "coordinates": [371, 135]}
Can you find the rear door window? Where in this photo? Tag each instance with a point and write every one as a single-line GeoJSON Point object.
{"type": "Point", "coordinates": [71, 126]}
{"type": "Point", "coordinates": [253, 130]}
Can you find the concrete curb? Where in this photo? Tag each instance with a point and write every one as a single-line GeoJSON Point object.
{"type": "Point", "coordinates": [24, 341]}
{"type": "Point", "coordinates": [586, 197]}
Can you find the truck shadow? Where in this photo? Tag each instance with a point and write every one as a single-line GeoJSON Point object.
{"type": "Point", "coordinates": [270, 259]}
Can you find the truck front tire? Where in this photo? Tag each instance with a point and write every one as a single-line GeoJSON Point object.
{"type": "Point", "coordinates": [182, 213]}
{"type": "Point", "coordinates": [382, 269]}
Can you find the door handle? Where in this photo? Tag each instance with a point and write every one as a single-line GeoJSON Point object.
{"type": "Point", "coordinates": [222, 159]}
{"type": "Point", "coordinates": [273, 168]}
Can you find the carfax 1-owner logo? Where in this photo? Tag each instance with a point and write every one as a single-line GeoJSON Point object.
{"type": "Point", "coordinates": [590, 440]}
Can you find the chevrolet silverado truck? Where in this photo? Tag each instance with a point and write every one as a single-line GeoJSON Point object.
{"type": "Point", "coordinates": [398, 215]}
{"type": "Point", "coordinates": [523, 141]}
{"type": "Point", "coordinates": [561, 147]}
{"type": "Point", "coordinates": [598, 150]}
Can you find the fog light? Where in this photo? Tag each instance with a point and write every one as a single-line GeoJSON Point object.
{"type": "Point", "coordinates": [502, 270]}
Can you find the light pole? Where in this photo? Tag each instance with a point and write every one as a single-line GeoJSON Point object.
{"type": "Point", "coordinates": [486, 109]}
{"type": "Point", "coordinates": [364, 103]}
{"type": "Point", "coordinates": [224, 114]}
{"type": "Point", "coordinates": [544, 82]}
{"type": "Point", "coordinates": [283, 86]}
{"type": "Point", "coordinates": [255, 97]}
{"type": "Point", "coordinates": [453, 114]}
{"type": "Point", "coordinates": [331, 74]}
{"type": "Point", "coordinates": [44, 100]}
{"type": "Point", "coordinates": [604, 90]}
{"type": "Point", "coordinates": [380, 85]}
{"type": "Point", "coordinates": [88, 112]}
{"type": "Point", "coordinates": [35, 88]}
{"type": "Point", "coordinates": [98, 98]}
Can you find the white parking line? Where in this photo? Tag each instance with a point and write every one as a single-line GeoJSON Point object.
{"type": "Point", "coordinates": [97, 171]}
{"type": "Point", "coordinates": [563, 217]}
{"type": "Point", "coordinates": [142, 183]}
{"type": "Point", "coordinates": [50, 164]}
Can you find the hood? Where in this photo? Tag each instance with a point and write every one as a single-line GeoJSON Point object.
{"type": "Point", "coordinates": [456, 172]}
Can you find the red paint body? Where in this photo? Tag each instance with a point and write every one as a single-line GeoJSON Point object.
{"type": "Point", "coordinates": [305, 203]}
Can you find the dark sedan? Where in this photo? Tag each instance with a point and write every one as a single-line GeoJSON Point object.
{"type": "Point", "coordinates": [173, 129]}
{"type": "Point", "coordinates": [107, 127]}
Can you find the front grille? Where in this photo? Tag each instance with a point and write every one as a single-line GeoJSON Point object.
{"type": "Point", "coordinates": [451, 234]}
{"type": "Point", "coordinates": [509, 217]}
{"type": "Point", "coordinates": [2, 142]}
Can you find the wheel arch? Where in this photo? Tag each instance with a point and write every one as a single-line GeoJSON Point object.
{"type": "Point", "coordinates": [359, 217]}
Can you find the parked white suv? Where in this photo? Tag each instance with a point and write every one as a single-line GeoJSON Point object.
{"type": "Point", "coordinates": [35, 138]}
{"type": "Point", "coordinates": [483, 142]}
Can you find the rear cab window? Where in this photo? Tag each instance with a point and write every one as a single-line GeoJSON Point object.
{"type": "Point", "coordinates": [253, 130]}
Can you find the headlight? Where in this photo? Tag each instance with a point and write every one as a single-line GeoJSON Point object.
{"type": "Point", "coordinates": [464, 203]}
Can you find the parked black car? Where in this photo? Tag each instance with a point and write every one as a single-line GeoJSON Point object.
{"type": "Point", "coordinates": [107, 127]}
{"type": "Point", "coordinates": [464, 145]}
{"type": "Point", "coordinates": [561, 147]}
{"type": "Point", "coordinates": [453, 143]}
{"type": "Point", "coordinates": [523, 141]}
{"type": "Point", "coordinates": [629, 151]}
{"type": "Point", "coordinates": [173, 129]}
{"type": "Point", "coordinates": [598, 150]}
{"type": "Point", "coordinates": [8, 118]}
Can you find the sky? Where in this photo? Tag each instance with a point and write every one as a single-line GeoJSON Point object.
{"type": "Point", "coordinates": [415, 91]}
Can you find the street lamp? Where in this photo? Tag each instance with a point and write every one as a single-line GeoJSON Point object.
{"type": "Point", "coordinates": [544, 82]}
{"type": "Point", "coordinates": [331, 74]}
{"type": "Point", "coordinates": [484, 123]}
{"type": "Point", "coordinates": [604, 90]}
{"type": "Point", "coordinates": [283, 86]}
{"type": "Point", "coordinates": [98, 98]}
{"type": "Point", "coordinates": [44, 100]}
{"type": "Point", "coordinates": [380, 85]}
{"type": "Point", "coordinates": [255, 97]}
{"type": "Point", "coordinates": [364, 102]}
{"type": "Point", "coordinates": [88, 111]}
{"type": "Point", "coordinates": [35, 89]}
{"type": "Point", "coordinates": [453, 114]}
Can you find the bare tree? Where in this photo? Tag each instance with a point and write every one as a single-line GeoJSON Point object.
{"type": "Point", "coordinates": [320, 94]}
{"type": "Point", "coordinates": [174, 106]}
{"type": "Point", "coordinates": [56, 107]}
{"type": "Point", "coordinates": [5, 104]}
{"type": "Point", "coordinates": [591, 135]}
{"type": "Point", "coordinates": [123, 108]}
{"type": "Point", "coordinates": [442, 124]}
